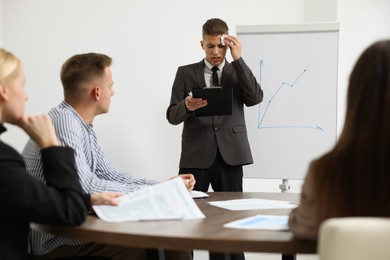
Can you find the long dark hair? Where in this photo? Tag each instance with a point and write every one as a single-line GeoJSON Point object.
{"type": "Point", "coordinates": [353, 178]}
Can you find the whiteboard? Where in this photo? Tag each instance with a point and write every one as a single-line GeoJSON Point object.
{"type": "Point", "coordinates": [296, 66]}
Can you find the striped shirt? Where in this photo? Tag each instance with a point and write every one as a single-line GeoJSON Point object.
{"type": "Point", "coordinates": [95, 172]}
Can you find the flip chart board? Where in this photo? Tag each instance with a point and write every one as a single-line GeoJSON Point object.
{"type": "Point", "coordinates": [296, 66]}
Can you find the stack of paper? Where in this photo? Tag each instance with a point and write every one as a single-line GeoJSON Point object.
{"type": "Point", "coordinates": [167, 200]}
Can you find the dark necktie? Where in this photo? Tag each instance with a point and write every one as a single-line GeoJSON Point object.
{"type": "Point", "coordinates": [215, 76]}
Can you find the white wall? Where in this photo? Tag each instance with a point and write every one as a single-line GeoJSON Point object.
{"type": "Point", "coordinates": [361, 23]}
{"type": "Point", "coordinates": [158, 36]}
{"type": "Point", "coordinates": [143, 37]}
{"type": "Point", "coordinates": [320, 11]}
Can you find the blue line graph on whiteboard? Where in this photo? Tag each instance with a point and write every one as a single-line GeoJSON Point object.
{"type": "Point", "coordinates": [261, 123]}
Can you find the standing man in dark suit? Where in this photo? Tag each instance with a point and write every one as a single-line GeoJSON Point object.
{"type": "Point", "coordinates": [214, 148]}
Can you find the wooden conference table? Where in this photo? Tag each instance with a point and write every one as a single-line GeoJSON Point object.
{"type": "Point", "coordinates": [200, 234]}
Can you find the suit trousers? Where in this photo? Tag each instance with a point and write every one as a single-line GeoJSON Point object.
{"type": "Point", "coordinates": [222, 177]}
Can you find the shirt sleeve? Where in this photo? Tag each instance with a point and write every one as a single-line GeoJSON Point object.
{"type": "Point", "coordinates": [95, 172]}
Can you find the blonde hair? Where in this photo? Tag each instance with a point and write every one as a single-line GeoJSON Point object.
{"type": "Point", "coordinates": [9, 66]}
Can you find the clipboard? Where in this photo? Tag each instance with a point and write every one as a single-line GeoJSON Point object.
{"type": "Point", "coordinates": [219, 101]}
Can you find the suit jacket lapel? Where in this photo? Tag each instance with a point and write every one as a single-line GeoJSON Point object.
{"type": "Point", "coordinates": [199, 72]}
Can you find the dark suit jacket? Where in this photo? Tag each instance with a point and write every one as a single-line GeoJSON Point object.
{"type": "Point", "coordinates": [24, 199]}
{"type": "Point", "coordinates": [202, 135]}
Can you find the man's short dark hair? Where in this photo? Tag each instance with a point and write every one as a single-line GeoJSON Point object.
{"type": "Point", "coordinates": [214, 27]}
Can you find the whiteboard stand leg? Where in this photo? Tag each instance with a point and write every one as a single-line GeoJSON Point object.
{"type": "Point", "coordinates": [284, 187]}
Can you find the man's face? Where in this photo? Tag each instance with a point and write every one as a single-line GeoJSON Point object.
{"type": "Point", "coordinates": [215, 51]}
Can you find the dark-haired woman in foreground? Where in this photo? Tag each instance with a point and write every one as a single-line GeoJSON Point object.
{"type": "Point", "coordinates": [352, 179]}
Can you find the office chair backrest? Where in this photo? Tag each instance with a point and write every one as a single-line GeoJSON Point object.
{"type": "Point", "coordinates": [354, 238]}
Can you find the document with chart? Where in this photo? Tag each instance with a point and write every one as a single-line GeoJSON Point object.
{"type": "Point", "coordinates": [164, 201]}
{"type": "Point", "coordinates": [266, 222]}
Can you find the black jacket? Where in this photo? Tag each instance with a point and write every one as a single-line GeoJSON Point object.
{"type": "Point", "coordinates": [202, 136]}
{"type": "Point", "coordinates": [24, 199]}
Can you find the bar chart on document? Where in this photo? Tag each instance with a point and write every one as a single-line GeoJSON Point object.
{"type": "Point", "coordinates": [296, 121]}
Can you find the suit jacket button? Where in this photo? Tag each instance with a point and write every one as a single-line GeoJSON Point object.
{"type": "Point", "coordinates": [216, 129]}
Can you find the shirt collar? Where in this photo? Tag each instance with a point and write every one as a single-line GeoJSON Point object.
{"type": "Point", "coordinates": [66, 105]}
{"type": "Point", "coordinates": [209, 65]}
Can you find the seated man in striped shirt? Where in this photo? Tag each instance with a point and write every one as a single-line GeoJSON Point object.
{"type": "Point", "coordinates": [87, 83]}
